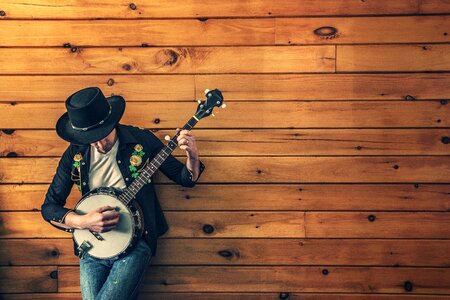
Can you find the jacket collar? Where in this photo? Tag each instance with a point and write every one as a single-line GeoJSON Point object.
{"type": "Point", "coordinates": [124, 135]}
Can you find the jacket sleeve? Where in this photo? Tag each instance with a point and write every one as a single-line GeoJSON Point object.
{"type": "Point", "coordinates": [53, 210]}
{"type": "Point", "coordinates": [172, 167]}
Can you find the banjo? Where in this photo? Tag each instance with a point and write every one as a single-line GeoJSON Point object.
{"type": "Point", "coordinates": [117, 242]}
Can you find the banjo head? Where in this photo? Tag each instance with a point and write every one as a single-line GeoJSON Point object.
{"type": "Point", "coordinates": [116, 241]}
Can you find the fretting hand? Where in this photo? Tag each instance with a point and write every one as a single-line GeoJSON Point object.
{"type": "Point", "coordinates": [186, 141]}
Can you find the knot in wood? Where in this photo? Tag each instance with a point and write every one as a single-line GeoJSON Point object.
{"type": "Point", "coordinates": [167, 57]}
{"type": "Point", "coordinates": [408, 286]}
{"type": "Point", "coordinates": [225, 253]}
{"type": "Point", "coordinates": [8, 131]}
{"type": "Point", "coordinates": [54, 274]}
{"type": "Point", "coordinates": [326, 31]}
{"type": "Point", "coordinates": [207, 228]}
{"type": "Point", "coordinates": [126, 67]}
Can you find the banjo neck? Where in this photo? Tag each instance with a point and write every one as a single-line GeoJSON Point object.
{"type": "Point", "coordinates": [130, 192]}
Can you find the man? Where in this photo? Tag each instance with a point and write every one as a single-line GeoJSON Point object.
{"type": "Point", "coordinates": [101, 154]}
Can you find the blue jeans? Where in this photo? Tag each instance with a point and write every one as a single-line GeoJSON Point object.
{"type": "Point", "coordinates": [114, 278]}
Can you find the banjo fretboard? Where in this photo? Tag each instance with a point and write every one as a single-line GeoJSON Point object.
{"type": "Point", "coordinates": [130, 192]}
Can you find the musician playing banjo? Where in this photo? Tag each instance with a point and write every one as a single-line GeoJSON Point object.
{"type": "Point", "coordinates": [104, 159]}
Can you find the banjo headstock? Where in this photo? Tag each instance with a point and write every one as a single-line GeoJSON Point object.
{"type": "Point", "coordinates": [205, 108]}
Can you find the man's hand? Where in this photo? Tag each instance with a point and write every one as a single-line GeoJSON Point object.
{"type": "Point", "coordinates": [95, 220]}
{"type": "Point", "coordinates": [186, 141]}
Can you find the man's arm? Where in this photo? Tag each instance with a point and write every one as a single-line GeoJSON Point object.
{"type": "Point", "coordinates": [183, 174]}
{"type": "Point", "coordinates": [53, 210]}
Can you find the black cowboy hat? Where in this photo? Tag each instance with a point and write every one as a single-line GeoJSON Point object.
{"type": "Point", "coordinates": [90, 116]}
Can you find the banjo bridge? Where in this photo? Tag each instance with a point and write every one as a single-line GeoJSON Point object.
{"type": "Point", "coordinates": [97, 235]}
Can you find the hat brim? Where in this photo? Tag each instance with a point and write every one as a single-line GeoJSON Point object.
{"type": "Point", "coordinates": [65, 131]}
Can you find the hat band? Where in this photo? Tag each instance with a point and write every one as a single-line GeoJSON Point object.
{"type": "Point", "coordinates": [95, 125]}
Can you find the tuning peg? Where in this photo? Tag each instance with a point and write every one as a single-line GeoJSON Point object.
{"type": "Point", "coordinates": [199, 101]}
{"type": "Point", "coordinates": [206, 91]}
{"type": "Point", "coordinates": [223, 105]}
{"type": "Point", "coordinates": [167, 138]}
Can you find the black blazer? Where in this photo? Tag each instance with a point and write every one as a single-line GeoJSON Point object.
{"type": "Point", "coordinates": [66, 175]}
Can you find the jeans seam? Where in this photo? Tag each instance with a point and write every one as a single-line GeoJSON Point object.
{"type": "Point", "coordinates": [141, 276]}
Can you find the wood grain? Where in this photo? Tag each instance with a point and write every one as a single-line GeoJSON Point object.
{"type": "Point", "coordinates": [197, 8]}
{"type": "Point", "coordinates": [393, 58]}
{"type": "Point", "coordinates": [280, 224]}
{"type": "Point", "coordinates": [363, 30]}
{"type": "Point", "coordinates": [236, 87]}
{"type": "Point", "coordinates": [407, 169]}
{"type": "Point", "coordinates": [28, 279]}
{"type": "Point", "coordinates": [286, 115]}
{"type": "Point", "coordinates": [275, 279]}
{"type": "Point", "coordinates": [300, 196]}
{"type": "Point", "coordinates": [230, 32]}
{"type": "Point", "coordinates": [198, 60]}
{"type": "Point", "coordinates": [234, 296]}
{"type": "Point", "coordinates": [262, 142]}
{"type": "Point", "coordinates": [250, 251]}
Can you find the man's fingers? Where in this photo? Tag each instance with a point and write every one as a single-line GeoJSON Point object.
{"type": "Point", "coordinates": [184, 141]}
{"type": "Point", "coordinates": [111, 222]}
{"type": "Point", "coordinates": [104, 208]}
{"type": "Point", "coordinates": [110, 216]}
{"type": "Point", "coordinates": [103, 228]}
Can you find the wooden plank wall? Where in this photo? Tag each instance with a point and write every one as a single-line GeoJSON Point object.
{"type": "Point", "coordinates": [327, 174]}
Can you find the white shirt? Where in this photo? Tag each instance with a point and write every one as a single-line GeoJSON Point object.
{"type": "Point", "coordinates": [103, 170]}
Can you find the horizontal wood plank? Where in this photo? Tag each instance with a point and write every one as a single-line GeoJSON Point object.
{"type": "Point", "coordinates": [138, 32]}
{"type": "Point", "coordinates": [420, 86]}
{"type": "Point", "coordinates": [361, 30]}
{"type": "Point", "coordinates": [231, 32]}
{"type": "Point", "coordinates": [276, 279]}
{"type": "Point", "coordinates": [234, 296]}
{"type": "Point", "coordinates": [38, 9]}
{"type": "Point", "coordinates": [387, 169]}
{"type": "Point", "coordinates": [150, 87]}
{"type": "Point", "coordinates": [250, 251]}
{"type": "Point", "coordinates": [238, 87]}
{"type": "Point", "coordinates": [256, 224]}
{"type": "Point", "coordinates": [261, 142]}
{"type": "Point", "coordinates": [434, 6]}
{"type": "Point", "coordinates": [204, 197]}
{"type": "Point", "coordinates": [377, 224]}
{"type": "Point", "coordinates": [46, 296]}
{"type": "Point", "coordinates": [28, 279]}
{"type": "Point", "coordinates": [389, 58]}
{"type": "Point", "coordinates": [199, 60]}
{"type": "Point", "coordinates": [245, 224]}
{"type": "Point", "coordinates": [401, 114]}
